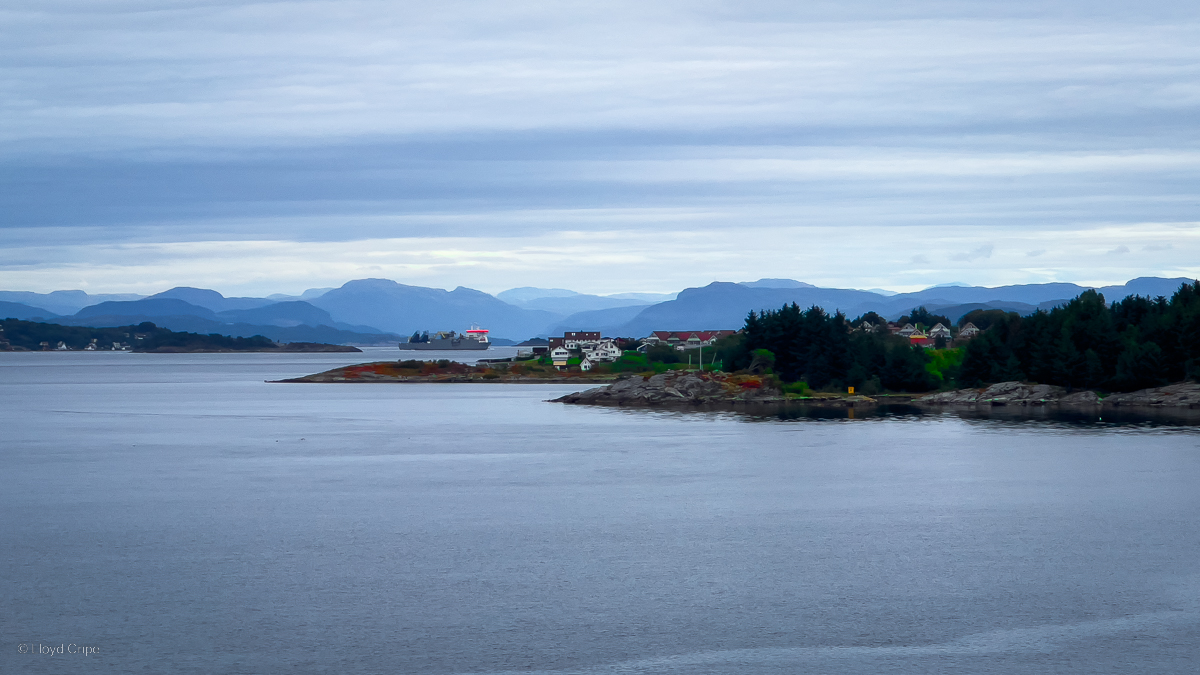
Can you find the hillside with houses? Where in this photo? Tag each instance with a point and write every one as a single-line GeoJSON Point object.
{"type": "Point", "coordinates": [1134, 343]}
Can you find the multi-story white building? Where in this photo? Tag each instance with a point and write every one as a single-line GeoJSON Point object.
{"type": "Point", "coordinates": [559, 356]}
{"type": "Point", "coordinates": [604, 350]}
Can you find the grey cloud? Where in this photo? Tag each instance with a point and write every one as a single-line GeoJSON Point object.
{"type": "Point", "coordinates": [984, 251]}
{"type": "Point", "coordinates": [1158, 247]}
{"type": "Point", "coordinates": [1120, 250]}
{"type": "Point", "coordinates": [88, 74]}
{"type": "Point", "coordinates": [1034, 254]}
{"type": "Point", "coordinates": [356, 120]}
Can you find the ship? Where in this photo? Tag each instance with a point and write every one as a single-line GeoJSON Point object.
{"type": "Point", "coordinates": [474, 338]}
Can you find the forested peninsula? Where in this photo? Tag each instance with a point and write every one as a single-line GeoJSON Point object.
{"type": "Point", "coordinates": [1136, 353]}
{"type": "Point", "coordinates": [146, 337]}
{"type": "Point", "coordinates": [1129, 345]}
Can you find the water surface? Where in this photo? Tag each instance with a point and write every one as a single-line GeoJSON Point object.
{"type": "Point", "coordinates": [181, 515]}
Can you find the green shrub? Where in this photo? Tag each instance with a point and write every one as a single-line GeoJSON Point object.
{"type": "Point", "coordinates": [800, 388]}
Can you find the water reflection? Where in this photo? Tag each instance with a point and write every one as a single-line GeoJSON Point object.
{"type": "Point", "coordinates": [1003, 416]}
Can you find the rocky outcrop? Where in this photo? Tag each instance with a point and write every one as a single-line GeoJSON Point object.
{"type": "Point", "coordinates": [1185, 395]}
{"type": "Point", "coordinates": [1080, 399]}
{"type": "Point", "coordinates": [1016, 393]}
{"type": "Point", "coordinates": [677, 387]}
{"type": "Point", "coordinates": [957, 397]}
{"type": "Point", "coordinates": [1004, 393]}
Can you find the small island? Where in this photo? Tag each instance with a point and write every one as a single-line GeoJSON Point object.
{"type": "Point", "coordinates": [446, 371]}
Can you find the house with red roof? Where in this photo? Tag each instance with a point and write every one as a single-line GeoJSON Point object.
{"type": "Point", "coordinates": [686, 339]}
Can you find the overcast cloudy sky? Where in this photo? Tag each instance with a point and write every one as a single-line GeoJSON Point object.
{"type": "Point", "coordinates": [260, 147]}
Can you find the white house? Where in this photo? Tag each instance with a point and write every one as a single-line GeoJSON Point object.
{"type": "Point", "coordinates": [586, 364]}
{"type": "Point", "coordinates": [559, 356]}
{"type": "Point", "coordinates": [605, 350]}
{"type": "Point", "coordinates": [939, 331]}
{"type": "Point", "coordinates": [968, 331]}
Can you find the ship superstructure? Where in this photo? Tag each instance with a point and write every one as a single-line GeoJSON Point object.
{"type": "Point", "coordinates": [474, 338]}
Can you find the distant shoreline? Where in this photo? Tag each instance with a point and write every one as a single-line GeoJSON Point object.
{"type": "Point", "coordinates": [289, 348]}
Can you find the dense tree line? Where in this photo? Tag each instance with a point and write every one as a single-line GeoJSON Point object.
{"type": "Point", "coordinates": [1132, 344]}
{"type": "Point", "coordinates": [146, 336]}
{"type": "Point", "coordinates": [28, 335]}
{"type": "Point", "coordinates": [165, 339]}
{"type": "Point", "coordinates": [820, 349]}
{"type": "Point", "coordinates": [922, 318]}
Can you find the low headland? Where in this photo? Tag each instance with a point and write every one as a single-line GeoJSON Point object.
{"type": "Point", "coordinates": [146, 337]}
{"type": "Point", "coordinates": [691, 389]}
{"type": "Point", "coordinates": [708, 390]}
{"type": "Point", "coordinates": [445, 371]}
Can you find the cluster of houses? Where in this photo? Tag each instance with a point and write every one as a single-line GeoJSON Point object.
{"type": "Point", "coordinates": [923, 338]}
{"type": "Point", "coordinates": [684, 339]}
{"type": "Point", "coordinates": [92, 346]}
{"type": "Point", "coordinates": [594, 349]}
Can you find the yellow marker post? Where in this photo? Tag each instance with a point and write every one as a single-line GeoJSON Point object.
{"type": "Point", "coordinates": [851, 390]}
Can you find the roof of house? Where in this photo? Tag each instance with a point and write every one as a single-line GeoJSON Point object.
{"type": "Point", "coordinates": [684, 335]}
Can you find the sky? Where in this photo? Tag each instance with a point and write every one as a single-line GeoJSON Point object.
{"type": "Point", "coordinates": [606, 147]}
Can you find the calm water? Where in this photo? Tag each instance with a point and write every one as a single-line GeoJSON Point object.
{"type": "Point", "coordinates": [179, 515]}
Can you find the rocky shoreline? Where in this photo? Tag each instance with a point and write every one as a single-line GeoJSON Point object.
{"type": "Point", "coordinates": [716, 391]}
{"type": "Point", "coordinates": [287, 347]}
{"type": "Point", "coordinates": [429, 372]}
{"type": "Point", "coordinates": [678, 387]}
{"type": "Point", "coordinates": [689, 388]}
{"type": "Point", "coordinates": [1177, 396]}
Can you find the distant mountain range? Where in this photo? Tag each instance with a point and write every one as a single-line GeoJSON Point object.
{"type": "Point", "coordinates": [381, 311]}
{"type": "Point", "coordinates": [198, 310]}
{"type": "Point", "coordinates": [566, 303]}
{"type": "Point", "coordinates": [59, 303]}
{"type": "Point", "coordinates": [722, 305]}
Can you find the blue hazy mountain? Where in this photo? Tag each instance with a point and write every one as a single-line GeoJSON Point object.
{"type": "Point", "coordinates": [18, 310]}
{"type": "Point", "coordinates": [956, 312]}
{"type": "Point", "coordinates": [519, 296]}
{"type": "Point", "coordinates": [404, 309]}
{"type": "Point", "coordinates": [153, 306]}
{"type": "Point", "coordinates": [162, 306]}
{"type": "Point", "coordinates": [193, 319]}
{"type": "Point", "coordinates": [294, 321]}
{"type": "Point", "coordinates": [653, 298]}
{"type": "Point", "coordinates": [212, 300]}
{"type": "Point", "coordinates": [776, 283]}
{"type": "Point", "coordinates": [607, 321]}
{"type": "Point", "coordinates": [1030, 294]}
{"type": "Point", "coordinates": [1152, 287]}
{"type": "Point", "coordinates": [306, 295]}
{"type": "Point", "coordinates": [288, 313]}
{"type": "Point", "coordinates": [566, 302]}
{"type": "Point", "coordinates": [62, 302]}
{"type": "Point", "coordinates": [377, 307]}
{"type": "Point", "coordinates": [581, 303]}
{"type": "Point", "coordinates": [722, 305]}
